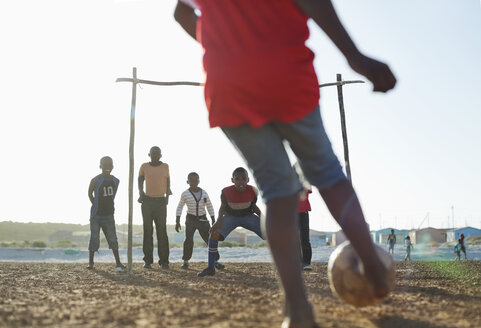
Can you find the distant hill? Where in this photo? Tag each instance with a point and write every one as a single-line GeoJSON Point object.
{"type": "Point", "coordinates": [19, 231]}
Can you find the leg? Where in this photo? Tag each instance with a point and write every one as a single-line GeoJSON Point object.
{"type": "Point", "coordinates": [264, 152]}
{"type": "Point", "coordinates": [108, 227]}
{"type": "Point", "coordinates": [304, 236]}
{"type": "Point", "coordinates": [148, 243]}
{"type": "Point", "coordinates": [189, 239]}
{"type": "Point", "coordinates": [204, 228]}
{"type": "Point", "coordinates": [344, 206]}
{"type": "Point", "coordinates": [252, 223]}
{"type": "Point", "coordinates": [321, 167]}
{"type": "Point", "coordinates": [94, 242]}
{"type": "Point", "coordinates": [282, 234]}
{"type": "Point", "coordinates": [228, 224]}
{"type": "Point", "coordinates": [162, 238]}
{"type": "Point", "coordinates": [91, 260]}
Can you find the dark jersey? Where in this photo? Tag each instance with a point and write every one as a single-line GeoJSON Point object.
{"type": "Point", "coordinates": [104, 193]}
{"type": "Point", "coordinates": [239, 203]}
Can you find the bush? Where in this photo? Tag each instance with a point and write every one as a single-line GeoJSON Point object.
{"type": "Point", "coordinates": [39, 244]}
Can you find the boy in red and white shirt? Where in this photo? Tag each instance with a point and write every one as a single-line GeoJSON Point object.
{"type": "Point", "coordinates": [262, 90]}
{"type": "Point", "coordinates": [238, 209]}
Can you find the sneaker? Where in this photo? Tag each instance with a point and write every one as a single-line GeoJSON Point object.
{"type": "Point", "coordinates": [185, 266]}
{"type": "Point", "coordinates": [120, 267]}
{"type": "Point", "coordinates": [147, 266]}
{"type": "Point", "coordinates": [206, 272]}
{"type": "Point", "coordinates": [164, 266]}
{"type": "Point", "coordinates": [90, 266]}
{"type": "Point", "coordinates": [306, 267]}
{"type": "Point", "coordinates": [219, 266]}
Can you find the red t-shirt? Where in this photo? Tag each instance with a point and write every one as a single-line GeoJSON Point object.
{"type": "Point", "coordinates": [258, 68]}
{"type": "Point", "coordinates": [304, 205]}
{"type": "Point", "coordinates": [239, 203]}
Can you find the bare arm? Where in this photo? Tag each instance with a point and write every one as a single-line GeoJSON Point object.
{"type": "Point", "coordinates": [91, 190]}
{"type": "Point", "coordinates": [140, 182]}
{"type": "Point", "coordinates": [169, 192]}
{"type": "Point", "coordinates": [186, 17]}
{"type": "Point", "coordinates": [324, 14]}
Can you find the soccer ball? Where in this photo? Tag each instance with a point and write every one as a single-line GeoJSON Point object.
{"type": "Point", "coordinates": [346, 275]}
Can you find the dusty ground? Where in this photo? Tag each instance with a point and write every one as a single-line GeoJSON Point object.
{"type": "Point", "coordinates": [428, 294]}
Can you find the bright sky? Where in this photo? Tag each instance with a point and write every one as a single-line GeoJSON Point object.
{"type": "Point", "coordinates": [413, 151]}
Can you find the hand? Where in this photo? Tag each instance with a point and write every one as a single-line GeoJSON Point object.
{"type": "Point", "coordinates": [178, 227]}
{"type": "Point", "coordinates": [375, 71]}
{"type": "Point", "coordinates": [167, 200]}
{"type": "Point", "coordinates": [216, 226]}
{"type": "Point", "coordinates": [141, 199]}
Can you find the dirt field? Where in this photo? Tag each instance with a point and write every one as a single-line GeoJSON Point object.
{"type": "Point", "coordinates": [428, 294]}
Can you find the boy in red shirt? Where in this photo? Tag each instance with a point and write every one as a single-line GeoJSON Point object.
{"type": "Point", "coordinates": [238, 209]}
{"type": "Point", "coordinates": [262, 90]}
{"type": "Point", "coordinates": [303, 213]}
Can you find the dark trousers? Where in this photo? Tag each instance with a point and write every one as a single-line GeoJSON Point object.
{"type": "Point", "coordinates": [306, 250]}
{"type": "Point", "coordinates": [154, 210]}
{"type": "Point", "coordinates": [192, 223]}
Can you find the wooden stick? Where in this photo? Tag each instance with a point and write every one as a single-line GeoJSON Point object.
{"type": "Point", "coordinates": [339, 83]}
{"type": "Point", "coordinates": [176, 83]}
{"type": "Point", "coordinates": [131, 168]}
{"type": "Point", "coordinates": [343, 126]}
{"type": "Point", "coordinates": [136, 81]}
{"type": "Point", "coordinates": [200, 84]}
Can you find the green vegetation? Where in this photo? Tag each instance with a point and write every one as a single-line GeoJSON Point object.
{"type": "Point", "coordinates": [15, 231]}
{"type": "Point", "coordinates": [39, 244]}
{"type": "Point", "coordinates": [460, 271]}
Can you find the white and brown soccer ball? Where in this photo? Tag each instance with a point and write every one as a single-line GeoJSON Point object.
{"type": "Point", "coordinates": [346, 275]}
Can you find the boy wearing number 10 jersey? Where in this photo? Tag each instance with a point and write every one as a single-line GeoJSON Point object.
{"type": "Point", "coordinates": [102, 190]}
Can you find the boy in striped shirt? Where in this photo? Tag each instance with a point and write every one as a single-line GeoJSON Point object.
{"type": "Point", "coordinates": [197, 200]}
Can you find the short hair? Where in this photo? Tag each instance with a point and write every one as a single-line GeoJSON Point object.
{"type": "Point", "coordinates": [106, 159]}
{"type": "Point", "coordinates": [192, 174]}
{"type": "Point", "coordinates": [154, 147]}
{"type": "Point", "coordinates": [239, 170]}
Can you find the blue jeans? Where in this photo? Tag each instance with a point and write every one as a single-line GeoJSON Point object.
{"type": "Point", "coordinates": [107, 223]}
{"type": "Point", "coordinates": [264, 151]}
{"type": "Point", "coordinates": [250, 222]}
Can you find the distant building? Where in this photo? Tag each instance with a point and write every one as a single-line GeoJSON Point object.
{"type": "Point", "coordinates": [428, 235]}
{"type": "Point", "coordinates": [453, 235]}
{"type": "Point", "coordinates": [338, 238]}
